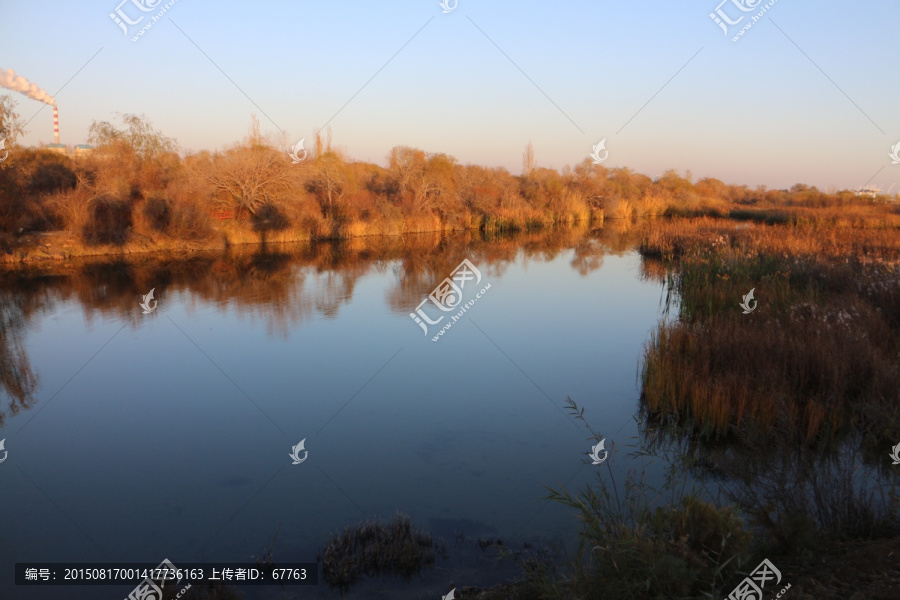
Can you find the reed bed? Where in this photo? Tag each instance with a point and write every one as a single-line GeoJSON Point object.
{"type": "Point", "coordinates": [819, 356]}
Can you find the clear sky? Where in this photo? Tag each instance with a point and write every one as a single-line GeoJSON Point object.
{"type": "Point", "coordinates": [810, 93]}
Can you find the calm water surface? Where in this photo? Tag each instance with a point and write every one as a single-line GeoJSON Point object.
{"type": "Point", "coordinates": [135, 437]}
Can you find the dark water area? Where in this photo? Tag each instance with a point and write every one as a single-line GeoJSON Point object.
{"type": "Point", "coordinates": [135, 436]}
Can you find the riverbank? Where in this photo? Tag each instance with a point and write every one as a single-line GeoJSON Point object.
{"type": "Point", "coordinates": [62, 245]}
{"type": "Point", "coordinates": [58, 246]}
{"type": "Point", "coordinates": [134, 193]}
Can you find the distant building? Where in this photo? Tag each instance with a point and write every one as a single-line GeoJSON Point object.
{"type": "Point", "coordinates": [76, 151]}
{"type": "Point", "coordinates": [58, 148]}
{"type": "Point", "coordinates": [869, 192]}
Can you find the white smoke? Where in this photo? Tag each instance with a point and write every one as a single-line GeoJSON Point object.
{"type": "Point", "coordinates": [10, 80]}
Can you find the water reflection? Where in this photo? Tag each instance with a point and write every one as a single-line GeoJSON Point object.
{"type": "Point", "coordinates": [284, 286]}
{"type": "Point", "coordinates": [17, 378]}
{"type": "Point", "coordinates": [290, 287]}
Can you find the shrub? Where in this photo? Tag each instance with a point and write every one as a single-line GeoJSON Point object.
{"type": "Point", "coordinates": [158, 213]}
{"type": "Point", "coordinates": [51, 177]}
{"type": "Point", "coordinates": [189, 220]}
{"type": "Point", "coordinates": [635, 551]}
{"type": "Point", "coordinates": [109, 221]}
{"type": "Point", "coordinates": [269, 217]}
{"type": "Point", "coordinates": [635, 548]}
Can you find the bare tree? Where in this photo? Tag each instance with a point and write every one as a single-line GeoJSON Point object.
{"type": "Point", "coordinates": [406, 165]}
{"type": "Point", "coordinates": [330, 180]}
{"type": "Point", "coordinates": [254, 136]}
{"type": "Point", "coordinates": [249, 178]}
{"type": "Point", "coordinates": [138, 136]}
{"type": "Point", "coordinates": [323, 146]}
{"type": "Point", "coordinates": [422, 180]}
{"type": "Point", "coordinates": [11, 125]}
{"type": "Point", "coordinates": [528, 159]}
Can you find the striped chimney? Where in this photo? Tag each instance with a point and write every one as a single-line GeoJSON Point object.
{"type": "Point", "coordinates": [55, 125]}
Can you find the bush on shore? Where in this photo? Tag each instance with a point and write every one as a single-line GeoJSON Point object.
{"type": "Point", "coordinates": [135, 185]}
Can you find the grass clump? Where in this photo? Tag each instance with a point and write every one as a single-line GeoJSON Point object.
{"type": "Point", "coordinates": [376, 548]}
{"type": "Point", "coordinates": [650, 543]}
{"type": "Point", "coordinates": [641, 552]}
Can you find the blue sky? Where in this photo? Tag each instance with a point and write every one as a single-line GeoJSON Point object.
{"type": "Point", "coordinates": [808, 94]}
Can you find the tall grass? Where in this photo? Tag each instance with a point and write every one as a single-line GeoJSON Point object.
{"type": "Point", "coordinates": [648, 541]}
{"type": "Point", "coordinates": [813, 371]}
{"type": "Point", "coordinates": [798, 498]}
{"type": "Point", "coordinates": [819, 353]}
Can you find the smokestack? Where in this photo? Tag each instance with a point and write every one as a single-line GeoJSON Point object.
{"type": "Point", "coordinates": [10, 80]}
{"type": "Point", "coordinates": [55, 125]}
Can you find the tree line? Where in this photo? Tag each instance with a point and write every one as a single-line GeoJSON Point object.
{"type": "Point", "coordinates": [136, 184]}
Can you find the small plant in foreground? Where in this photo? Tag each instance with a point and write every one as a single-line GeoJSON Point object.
{"type": "Point", "coordinates": [637, 547]}
{"type": "Point", "coordinates": [376, 548]}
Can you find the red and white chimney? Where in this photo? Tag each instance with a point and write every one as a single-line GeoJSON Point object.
{"type": "Point", "coordinates": [55, 125]}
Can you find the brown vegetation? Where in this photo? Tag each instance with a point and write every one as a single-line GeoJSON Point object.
{"type": "Point", "coordinates": [135, 193]}
{"type": "Point", "coordinates": [794, 404]}
{"type": "Point", "coordinates": [376, 548]}
{"type": "Point", "coordinates": [819, 354]}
